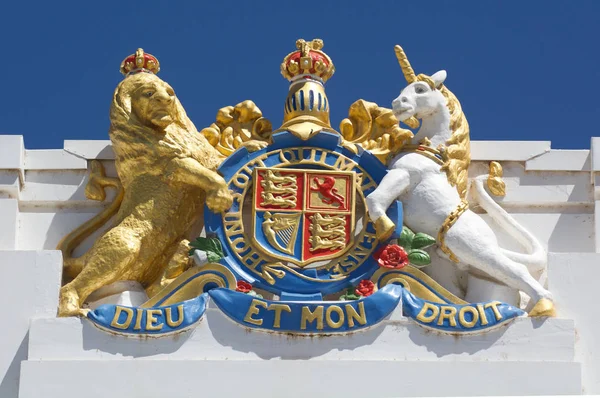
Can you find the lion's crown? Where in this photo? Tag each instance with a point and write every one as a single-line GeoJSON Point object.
{"type": "Point", "coordinates": [140, 62]}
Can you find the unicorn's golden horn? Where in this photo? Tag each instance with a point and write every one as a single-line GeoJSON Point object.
{"type": "Point", "coordinates": [408, 71]}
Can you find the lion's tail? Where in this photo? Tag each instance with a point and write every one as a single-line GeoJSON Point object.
{"type": "Point", "coordinates": [536, 258]}
{"type": "Point", "coordinates": [94, 190]}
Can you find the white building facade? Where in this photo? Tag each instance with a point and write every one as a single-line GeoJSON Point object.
{"type": "Point", "coordinates": [551, 192]}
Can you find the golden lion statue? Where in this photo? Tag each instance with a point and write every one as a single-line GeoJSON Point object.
{"type": "Point", "coordinates": [166, 171]}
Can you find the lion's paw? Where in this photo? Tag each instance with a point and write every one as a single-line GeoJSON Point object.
{"type": "Point", "coordinates": [219, 200]}
{"type": "Point", "coordinates": [68, 304]}
{"type": "Point", "coordinates": [254, 145]}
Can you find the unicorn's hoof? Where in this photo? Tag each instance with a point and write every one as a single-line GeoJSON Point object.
{"type": "Point", "coordinates": [543, 308]}
{"type": "Point", "coordinates": [384, 228]}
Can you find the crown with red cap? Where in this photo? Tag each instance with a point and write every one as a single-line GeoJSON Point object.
{"type": "Point", "coordinates": [140, 62]}
{"type": "Point", "coordinates": [307, 62]}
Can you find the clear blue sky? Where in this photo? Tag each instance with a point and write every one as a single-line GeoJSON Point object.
{"type": "Point", "coordinates": [523, 70]}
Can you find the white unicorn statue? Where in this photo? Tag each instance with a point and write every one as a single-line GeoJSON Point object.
{"type": "Point", "coordinates": [429, 177]}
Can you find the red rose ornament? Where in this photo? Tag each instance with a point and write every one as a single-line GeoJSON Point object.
{"type": "Point", "coordinates": [243, 287]}
{"type": "Point", "coordinates": [365, 288]}
{"type": "Point", "coordinates": [391, 256]}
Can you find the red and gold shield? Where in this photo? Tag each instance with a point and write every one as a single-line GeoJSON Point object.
{"type": "Point", "coordinates": [303, 216]}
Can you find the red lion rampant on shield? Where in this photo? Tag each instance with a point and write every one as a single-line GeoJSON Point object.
{"type": "Point", "coordinates": [328, 191]}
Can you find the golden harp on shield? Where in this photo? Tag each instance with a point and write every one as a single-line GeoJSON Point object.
{"type": "Point", "coordinates": [281, 229]}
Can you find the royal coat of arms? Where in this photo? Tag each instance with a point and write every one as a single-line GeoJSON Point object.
{"type": "Point", "coordinates": [304, 225]}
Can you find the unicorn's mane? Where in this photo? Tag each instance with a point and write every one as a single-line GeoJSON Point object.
{"type": "Point", "coordinates": [458, 150]}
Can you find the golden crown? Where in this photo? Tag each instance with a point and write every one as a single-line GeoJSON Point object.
{"type": "Point", "coordinates": [307, 62]}
{"type": "Point", "coordinates": [140, 62]}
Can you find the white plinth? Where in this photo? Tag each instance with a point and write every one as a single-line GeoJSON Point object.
{"type": "Point", "coordinates": [218, 357]}
{"type": "Point", "coordinates": [227, 378]}
{"type": "Point", "coordinates": [216, 337]}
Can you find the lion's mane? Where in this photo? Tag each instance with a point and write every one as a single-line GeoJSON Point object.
{"type": "Point", "coordinates": [136, 144]}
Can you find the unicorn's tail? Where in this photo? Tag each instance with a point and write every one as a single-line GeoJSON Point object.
{"type": "Point", "coordinates": [536, 258]}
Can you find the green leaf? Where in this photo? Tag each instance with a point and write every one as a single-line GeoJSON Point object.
{"type": "Point", "coordinates": [422, 241]}
{"type": "Point", "coordinates": [213, 257]}
{"type": "Point", "coordinates": [419, 258]}
{"type": "Point", "coordinates": [208, 245]}
{"type": "Point", "coordinates": [349, 295]}
{"type": "Point", "coordinates": [406, 238]}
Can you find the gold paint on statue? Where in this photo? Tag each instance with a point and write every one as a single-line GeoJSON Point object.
{"type": "Point", "coordinates": [278, 308]}
{"type": "Point", "coordinates": [285, 226]}
{"type": "Point", "coordinates": [281, 201]}
{"type": "Point", "coordinates": [425, 141]}
{"type": "Point", "coordinates": [166, 168]}
{"type": "Point", "coordinates": [423, 317]}
{"type": "Point", "coordinates": [269, 272]}
{"type": "Point", "coordinates": [239, 126]}
{"type": "Point", "coordinates": [169, 316]}
{"type": "Point", "coordinates": [494, 306]}
{"type": "Point", "coordinates": [462, 319]}
{"type": "Point", "coordinates": [430, 312]}
{"type": "Point", "coordinates": [152, 320]}
{"type": "Point", "coordinates": [447, 224]}
{"type": "Point", "coordinates": [339, 314]}
{"type": "Point", "coordinates": [306, 108]}
{"type": "Point", "coordinates": [324, 69]}
{"type": "Point", "coordinates": [494, 182]}
{"type": "Point", "coordinates": [384, 228]}
{"type": "Point", "coordinates": [375, 129]}
{"type": "Point", "coordinates": [275, 182]}
{"type": "Point", "coordinates": [279, 190]}
{"type": "Point", "coordinates": [353, 315]}
{"type": "Point", "coordinates": [187, 286]}
{"type": "Point", "coordinates": [94, 190]}
{"type": "Point", "coordinates": [318, 243]}
{"type": "Point", "coordinates": [417, 282]}
{"type": "Point", "coordinates": [543, 307]}
{"type": "Point", "coordinates": [434, 154]}
{"type": "Point", "coordinates": [481, 310]}
{"type": "Point", "coordinates": [129, 316]}
{"type": "Point", "coordinates": [327, 232]}
{"type": "Point", "coordinates": [138, 319]}
{"type": "Point", "coordinates": [448, 313]}
{"type": "Point", "coordinates": [309, 316]}
{"type": "Point", "coordinates": [253, 310]}
{"type": "Point", "coordinates": [139, 61]}
{"type": "Point", "coordinates": [302, 120]}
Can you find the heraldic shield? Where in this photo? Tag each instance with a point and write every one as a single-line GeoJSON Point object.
{"type": "Point", "coordinates": [303, 216]}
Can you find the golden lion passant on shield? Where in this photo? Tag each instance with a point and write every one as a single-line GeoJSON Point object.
{"type": "Point", "coordinates": [166, 169]}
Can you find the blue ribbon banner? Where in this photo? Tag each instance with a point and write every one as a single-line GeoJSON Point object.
{"type": "Point", "coordinates": [308, 316]}
{"type": "Point", "coordinates": [153, 321]}
{"type": "Point", "coordinates": [458, 318]}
